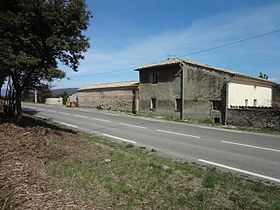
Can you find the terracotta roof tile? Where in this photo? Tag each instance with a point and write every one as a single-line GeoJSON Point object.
{"type": "Point", "coordinates": [218, 69]}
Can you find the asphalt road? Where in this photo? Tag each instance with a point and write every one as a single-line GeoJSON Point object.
{"type": "Point", "coordinates": [254, 155]}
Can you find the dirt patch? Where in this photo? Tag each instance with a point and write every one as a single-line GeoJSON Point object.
{"type": "Point", "coordinates": [22, 151]}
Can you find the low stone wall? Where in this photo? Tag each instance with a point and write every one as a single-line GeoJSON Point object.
{"type": "Point", "coordinates": [255, 117]}
{"type": "Point", "coordinates": [54, 101]}
{"type": "Point", "coordinates": [115, 100]}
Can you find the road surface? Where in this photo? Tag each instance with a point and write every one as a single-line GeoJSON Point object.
{"type": "Point", "coordinates": [250, 154]}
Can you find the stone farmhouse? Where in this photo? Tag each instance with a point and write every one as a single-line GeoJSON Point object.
{"type": "Point", "coordinates": [119, 96]}
{"type": "Point", "coordinates": [182, 88]}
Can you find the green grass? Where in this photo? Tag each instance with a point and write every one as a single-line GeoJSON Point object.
{"type": "Point", "coordinates": [105, 174]}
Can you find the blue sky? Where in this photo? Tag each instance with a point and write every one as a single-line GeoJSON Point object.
{"type": "Point", "coordinates": [125, 34]}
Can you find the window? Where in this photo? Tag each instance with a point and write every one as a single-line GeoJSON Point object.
{"type": "Point", "coordinates": [246, 102]}
{"type": "Point", "coordinates": [153, 104]}
{"type": "Point", "coordinates": [255, 102]}
{"type": "Point", "coordinates": [178, 104]}
{"type": "Point", "coordinates": [154, 78]}
{"type": "Point", "coordinates": [216, 105]}
{"type": "Point", "coordinates": [190, 74]}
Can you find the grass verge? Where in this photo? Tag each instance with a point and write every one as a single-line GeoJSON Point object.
{"type": "Point", "coordinates": [106, 174]}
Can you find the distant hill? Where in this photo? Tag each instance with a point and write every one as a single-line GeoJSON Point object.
{"type": "Point", "coordinates": [70, 91]}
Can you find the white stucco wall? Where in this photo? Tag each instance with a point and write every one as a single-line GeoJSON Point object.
{"type": "Point", "coordinates": [54, 101]}
{"type": "Point", "coordinates": [239, 92]}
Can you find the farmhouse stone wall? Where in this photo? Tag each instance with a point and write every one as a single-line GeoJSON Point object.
{"type": "Point", "coordinates": [165, 91]}
{"type": "Point", "coordinates": [115, 100]}
{"type": "Point", "coordinates": [201, 87]}
{"type": "Point", "coordinates": [255, 117]}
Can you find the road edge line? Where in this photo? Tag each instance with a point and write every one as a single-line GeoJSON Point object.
{"type": "Point", "coordinates": [121, 139]}
{"type": "Point", "coordinates": [240, 170]}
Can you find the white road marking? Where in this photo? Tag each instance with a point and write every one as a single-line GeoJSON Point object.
{"type": "Point", "coordinates": [77, 115]}
{"type": "Point", "coordinates": [64, 113]}
{"type": "Point", "coordinates": [84, 110]}
{"type": "Point", "coordinates": [111, 114]}
{"type": "Point", "coordinates": [252, 146]}
{"type": "Point", "coordinates": [136, 126]}
{"type": "Point", "coordinates": [51, 111]}
{"type": "Point", "coordinates": [180, 134]}
{"type": "Point", "coordinates": [101, 120]}
{"type": "Point", "coordinates": [240, 170]}
{"type": "Point", "coordinates": [41, 117]}
{"type": "Point", "coordinates": [70, 125]}
{"type": "Point", "coordinates": [122, 139]}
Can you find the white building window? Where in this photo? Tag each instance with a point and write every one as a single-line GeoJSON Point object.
{"type": "Point", "coordinates": [246, 102]}
{"type": "Point", "coordinates": [153, 104]}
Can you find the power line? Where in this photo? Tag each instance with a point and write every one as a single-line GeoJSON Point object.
{"type": "Point", "coordinates": [192, 53]}
{"type": "Point", "coordinates": [231, 43]}
{"type": "Point", "coordinates": [98, 74]}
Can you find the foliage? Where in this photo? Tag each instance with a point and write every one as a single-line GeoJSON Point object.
{"type": "Point", "coordinates": [43, 92]}
{"type": "Point", "coordinates": [64, 96]}
{"type": "Point", "coordinates": [263, 76]}
{"type": "Point", "coordinates": [35, 35]}
{"type": "Point", "coordinates": [3, 75]}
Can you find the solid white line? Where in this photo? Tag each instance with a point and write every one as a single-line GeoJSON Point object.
{"type": "Point", "coordinates": [240, 170]}
{"type": "Point", "coordinates": [252, 146]}
{"type": "Point", "coordinates": [180, 134]}
{"type": "Point", "coordinates": [136, 126]}
{"type": "Point", "coordinates": [70, 125]}
{"type": "Point", "coordinates": [110, 114]}
{"type": "Point", "coordinates": [64, 113]}
{"type": "Point", "coordinates": [101, 120]}
{"type": "Point", "coordinates": [41, 117]}
{"type": "Point", "coordinates": [80, 116]}
{"type": "Point", "coordinates": [115, 137]}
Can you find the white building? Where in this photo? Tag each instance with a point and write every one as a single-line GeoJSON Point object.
{"type": "Point", "coordinates": [249, 92]}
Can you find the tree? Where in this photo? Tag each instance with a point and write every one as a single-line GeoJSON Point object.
{"type": "Point", "coordinates": [35, 35]}
{"type": "Point", "coordinates": [3, 76]}
{"type": "Point", "coordinates": [43, 92]}
{"type": "Point", "coordinates": [64, 97]}
{"type": "Point", "coordinates": [263, 76]}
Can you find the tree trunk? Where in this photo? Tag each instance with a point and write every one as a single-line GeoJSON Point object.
{"type": "Point", "coordinates": [2, 80]}
{"type": "Point", "coordinates": [18, 106]}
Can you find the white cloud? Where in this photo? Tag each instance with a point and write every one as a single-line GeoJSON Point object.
{"type": "Point", "coordinates": [260, 54]}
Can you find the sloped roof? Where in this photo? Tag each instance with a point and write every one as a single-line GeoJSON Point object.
{"type": "Point", "coordinates": [111, 85]}
{"type": "Point", "coordinates": [218, 69]}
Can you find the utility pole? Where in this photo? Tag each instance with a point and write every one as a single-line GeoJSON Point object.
{"type": "Point", "coordinates": [182, 92]}
{"type": "Point", "coordinates": [35, 96]}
